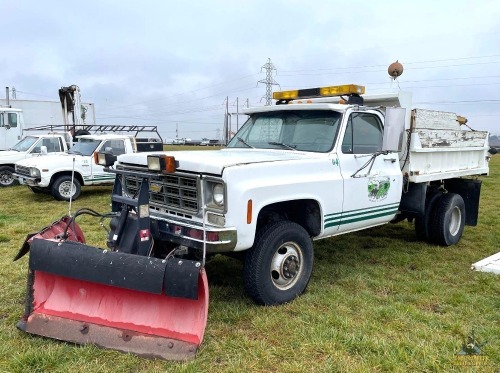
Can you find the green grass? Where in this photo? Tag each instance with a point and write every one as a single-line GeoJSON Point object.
{"type": "Point", "coordinates": [378, 301]}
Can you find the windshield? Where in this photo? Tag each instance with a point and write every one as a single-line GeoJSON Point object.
{"type": "Point", "coordinates": [306, 130]}
{"type": "Point", "coordinates": [25, 144]}
{"type": "Point", "coordinates": [84, 146]}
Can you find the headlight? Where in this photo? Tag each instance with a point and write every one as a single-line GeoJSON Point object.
{"type": "Point", "coordinates": [154, 163]}
{"type": "Point", "coordinates": [218, 194]}
{"type": "Point", "coordinates": [34, 172]}
{"type": "Point", "coordinates": [164, 163]}
{"type": "Point", "coordinates": [215, 194]}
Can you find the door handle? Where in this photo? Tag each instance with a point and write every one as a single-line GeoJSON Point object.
{"type": "Point", "coordinates": [392, 160]}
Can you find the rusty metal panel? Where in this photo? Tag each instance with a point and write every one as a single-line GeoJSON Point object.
{"type": "Point", "coordinates": [452, 139]}
{"type": "Point", "coordinates": [431, 119]}
{"type": "Point", "coordinates": [144, 345]}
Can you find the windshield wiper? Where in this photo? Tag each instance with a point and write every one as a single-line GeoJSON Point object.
{"type": "Point", "coordinates": [75, 152]}
{"type": "Point", "coordinates": [283, 145]}
{"type": "Point", "coordinates": [244, 142]}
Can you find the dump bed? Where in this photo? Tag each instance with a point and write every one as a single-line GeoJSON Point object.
{"type": "Point", "coordinates": [441, 148]}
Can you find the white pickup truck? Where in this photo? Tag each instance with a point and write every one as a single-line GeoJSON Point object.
{"type": "Point", "coordinates": [29, 146]}
{"type": "Point", "coordinates": [322, 162]}
{"type": "Point", "coordinates": [63, 175]}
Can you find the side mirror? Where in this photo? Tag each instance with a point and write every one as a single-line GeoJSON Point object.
{"type": "Point", "coordinates": [43, 150]}
{"type": "Point", "coordinates": [493, 151]}
{"type": "Point", "coordinates": [394, 128]}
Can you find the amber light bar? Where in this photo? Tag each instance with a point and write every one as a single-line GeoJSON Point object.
{"type": "Point", "coordinates": [331, 91]}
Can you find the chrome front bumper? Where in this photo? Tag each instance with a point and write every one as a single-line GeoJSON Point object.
{"type": "Point", "coordinates": [187, 233]}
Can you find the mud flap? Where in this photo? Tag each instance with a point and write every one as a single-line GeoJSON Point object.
{"type": "Point", "coordinates": [115, 300]}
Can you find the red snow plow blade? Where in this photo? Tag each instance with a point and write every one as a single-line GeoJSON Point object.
{"type": "Point", "coordinates": [147, 306]}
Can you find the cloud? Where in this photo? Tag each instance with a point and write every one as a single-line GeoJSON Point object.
{"type": "Point", "coordinates": [175, 63]}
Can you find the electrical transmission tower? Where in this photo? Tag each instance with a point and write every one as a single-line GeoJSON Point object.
{"type": "Point", "coordinates": [269, 81]}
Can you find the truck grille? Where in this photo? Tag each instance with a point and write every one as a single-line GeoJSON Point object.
{"type": "Point", "coordinates": [23, 170]}
{"type": "Point", "coordinates": [177, 192]}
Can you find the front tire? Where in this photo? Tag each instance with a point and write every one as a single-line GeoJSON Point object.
{"type": "Point", "coordinates": [63, 189]}
{"type": "Point", "coordinates": [278, 267]}
{"type": "Point", "coordinates": [449, 220]}
{"type": "Point", "coordinates": [6, 176]}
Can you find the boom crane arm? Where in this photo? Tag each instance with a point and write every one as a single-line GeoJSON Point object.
{"type": "Point", "coordinates": [70, 103]}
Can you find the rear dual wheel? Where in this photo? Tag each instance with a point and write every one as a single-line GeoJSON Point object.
{"type": "Point", "coordinates": [444, 219]}
{"type": "Point", "coordinates": [449, 220]}
{"type": "Point", "coordinates": [423, 224]}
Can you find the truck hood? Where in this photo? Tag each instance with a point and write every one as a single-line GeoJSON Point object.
{"type": "Point", "coordinates": [49, 160]}
{"type": "Point", "coordinates": [215, 161]}
{"type": "Point", "coordinates": [7, 155]}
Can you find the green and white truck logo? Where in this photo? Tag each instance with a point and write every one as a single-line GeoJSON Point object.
{"type": "Point", "coordinates": [378, 187]}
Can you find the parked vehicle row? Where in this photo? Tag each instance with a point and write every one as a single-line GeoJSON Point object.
{"type": "Point", "coordinates": [46, 164]}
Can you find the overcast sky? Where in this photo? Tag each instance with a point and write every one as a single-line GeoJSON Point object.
{"type": "Point", "coordinates": [173, 64]}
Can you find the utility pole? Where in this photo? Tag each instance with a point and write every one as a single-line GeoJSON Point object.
{"type": "Point", "coordinates": [237, 115]}
{"type": "Point", "coordinates": [269, 81]}
{"type": "Point", "coordinates": [225, 133]}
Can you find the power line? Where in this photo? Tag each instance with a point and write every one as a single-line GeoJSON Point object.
{"type": "Point", "coordinates": [183, 93]}
{"type": "Point", "coordinates": [406, 63]}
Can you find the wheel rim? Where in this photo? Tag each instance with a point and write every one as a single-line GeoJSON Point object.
{"type": "Point", "coordinates": [67, 189]}
{"type": "Point", "coordinates": [286, 266]}
{"type": "Point", "coordinates": [6, 178]}
{"type": "Point", "coordinates": [455, 221]}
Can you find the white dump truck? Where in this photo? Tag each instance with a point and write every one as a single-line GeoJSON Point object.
{"type": "Point", "coordinates": [322, 162]}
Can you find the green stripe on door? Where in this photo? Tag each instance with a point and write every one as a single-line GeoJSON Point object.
{"type": "Point", "coordinates": [356, 215]}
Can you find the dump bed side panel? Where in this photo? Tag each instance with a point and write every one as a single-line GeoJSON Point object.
{"type": "Point", "coordinates": [440, 148]}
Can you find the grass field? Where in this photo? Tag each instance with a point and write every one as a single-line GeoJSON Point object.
{"type": "Point", "coordinates": [378, 301]}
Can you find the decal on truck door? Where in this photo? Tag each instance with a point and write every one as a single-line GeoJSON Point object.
{"type": "Point", "coordinates": [378, 188]}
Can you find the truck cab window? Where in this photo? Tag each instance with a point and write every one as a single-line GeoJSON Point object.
{"type": "Point", "coordinates": [52, 145]}
{"type": "Point", "coordinates": [311, 130]}
{"type": "Point", "coordinates": [12, 119]}
{"type": "Point", "coordinates": [116, 147]}
{"type": "Point", "coordinates": [363, 135]}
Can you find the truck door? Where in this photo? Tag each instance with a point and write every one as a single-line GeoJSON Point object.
{"type": "Point", "coordinates": [10, 132]}
{"type": "Point", "coordinates": [372, 183]}
{"type": "Point", "coordinates": [115, 147]}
